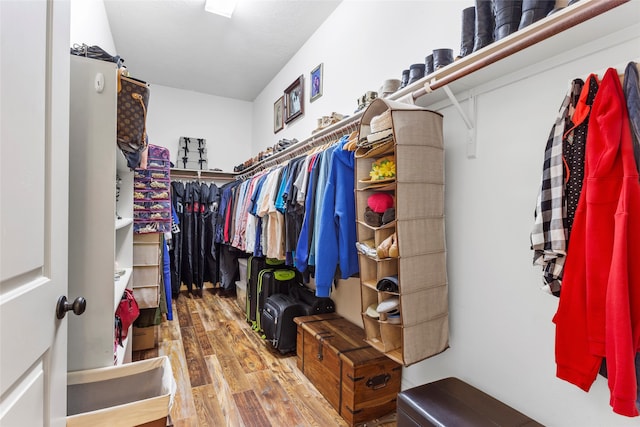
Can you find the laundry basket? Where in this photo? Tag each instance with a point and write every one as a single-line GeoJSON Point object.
{"type": "Point", "coordinates": [133, 394]}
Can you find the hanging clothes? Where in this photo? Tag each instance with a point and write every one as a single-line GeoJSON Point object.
{"type": "Point", "coordinates": [599, 310]}
{"type": "Point", "coordinates": [337, 229]}
{"type": "Point", "coordinates": [631, 89]}
{"type": "Point", "coordinates": [178, 201]}
{"type": "Point", "coordinates": [293, 211]}
{"type": "Point", "coordinates": [194, 253]}
{"type": "Point", "coordinates": [573, 148]}
{"type": "Point", "coordinates": [549, 234]}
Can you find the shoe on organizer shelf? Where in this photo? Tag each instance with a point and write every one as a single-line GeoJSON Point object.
{"type": "Point", "coordinates": [388, 247]}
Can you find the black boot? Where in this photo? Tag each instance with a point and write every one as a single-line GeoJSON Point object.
{"type": "Point", "coordinates": [428, 65]}
{"type": "Point", "coordinates": [484, 24]}
{"type": "Point", "coordinates": [416, 72]}
{"type": "Point", "coordinates": [507, 17]}
{"type": "Point", "coordinates": [405, 78]}
{"type": "Point", "coordinates": [534, 10]}
{"type": "Point", "coordinates": [468, 31]}
{"type": "Point", "coordinates": [442, 57]}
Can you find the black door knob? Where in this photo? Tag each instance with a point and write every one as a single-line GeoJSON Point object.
{"type": "Point", "coordinates": [77, 306]}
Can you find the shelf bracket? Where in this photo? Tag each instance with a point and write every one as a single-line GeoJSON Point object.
{"type": "Point", "coordinates": [472, 146]}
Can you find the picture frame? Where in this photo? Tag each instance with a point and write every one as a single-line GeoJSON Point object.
{"type": "Point", "coordinates": [315, 77]}
{"type": "Point", "coordinates": [278, 115]}
{"type": "Point", "coordinates": [294, 100]}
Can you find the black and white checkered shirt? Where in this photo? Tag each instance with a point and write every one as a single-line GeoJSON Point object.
{"type": "Point", "coordinates": [549, 234]}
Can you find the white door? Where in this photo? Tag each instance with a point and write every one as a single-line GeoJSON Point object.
{"type": "Point", "coordinates": [34, 158]}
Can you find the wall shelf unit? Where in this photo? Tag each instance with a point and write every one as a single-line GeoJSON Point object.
{"type": "Point", "coordinates": [100, 216]}
{"type": "Point", "coordinates": [551, 41]}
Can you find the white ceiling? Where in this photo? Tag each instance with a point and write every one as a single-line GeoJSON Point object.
{"type": "Point", "coordinates": [176, 43]}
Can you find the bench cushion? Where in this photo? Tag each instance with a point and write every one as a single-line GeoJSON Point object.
{"type": "Point", "coordinates": [452, 402]}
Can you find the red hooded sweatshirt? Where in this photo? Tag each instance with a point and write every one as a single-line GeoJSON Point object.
{"type": "Point", "coordinates": [599, 311]}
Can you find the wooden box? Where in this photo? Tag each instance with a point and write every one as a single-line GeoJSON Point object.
{"type": "Point", "coordinates": [360, 382]}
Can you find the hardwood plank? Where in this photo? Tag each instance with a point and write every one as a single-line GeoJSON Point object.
{"type": "Point", "coordinates": [198, 373]}
{"type": "Point", "coordinates": [205, 345]}
{"type": "Point", "coordinates": [223, 393]}
{"type": "Point", "coordinates": [231, 371]}
{"type": "Point", "coordinates": [248, 383]}
{"type": "Point", "coordinates": [275, 400]}
{"type": "Point", "coordinates": [169, 329]}
{"type": "Point", "coordinates": [209, 313]}
{"type": "Point", "coordinates": [251, 412]}
{"type": "Point", "coordinates": [207, 407]}
{"type": "Point", "coordinates": [252, 358]}
{"type": "Point", "coordinates": [183, 407]}
{"type": "Point", "coordinates": [184, 318]}
{"type": "Point", "coordinates": [228, 309]}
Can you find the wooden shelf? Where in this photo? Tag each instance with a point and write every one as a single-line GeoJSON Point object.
{"type": "Point", "coordinates": [123, 222]}
{"type": "Point", "coordinates": [196, 173]}
{"type": "Point", "coordinates": [555, 35]}
{"type": "Point", "coordinates": [120, 285]}
{"type": "Point", "coordinates": [389, 225]}
{"type": "Point", "coordinates": [121, 352]}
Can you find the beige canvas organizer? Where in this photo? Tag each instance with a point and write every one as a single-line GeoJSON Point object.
{"type": "Point", "coordinates": [418, 192]}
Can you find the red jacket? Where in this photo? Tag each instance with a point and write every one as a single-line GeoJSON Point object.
{"type": "Point", "coordinates": [599, 311]}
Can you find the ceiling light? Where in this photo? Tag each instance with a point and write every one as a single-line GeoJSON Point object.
{"type": "Point", "coordinates": [220, 7]}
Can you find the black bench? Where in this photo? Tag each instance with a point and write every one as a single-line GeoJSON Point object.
{"type": "Point", "coordinates": [451, 402]}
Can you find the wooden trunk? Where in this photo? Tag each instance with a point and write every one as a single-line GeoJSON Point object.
{"type": "Point", "coordinates": [358, 381]}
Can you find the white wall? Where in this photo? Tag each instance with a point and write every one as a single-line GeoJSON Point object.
{"type": "Point", "coordinates": [361, 44]}
{"type": "Point", "coordinates": [89, 25]}
{"type": "Point", "coordinates": [501, 332]}
{"type": "Point", "coordinates": [225, 123]}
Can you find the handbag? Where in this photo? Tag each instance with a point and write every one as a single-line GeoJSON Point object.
{"type": "Point", "coordinates": [126, 313]}
{"type": "Point", "coordinates": [133, 100]}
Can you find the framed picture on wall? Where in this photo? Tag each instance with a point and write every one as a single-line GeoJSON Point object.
{"type": "Point", "coordinates": [316, 83]}
{"type": "Point", "coordinates": [294, 100]}
{"type": "Point", "coordinates": [278, 115]}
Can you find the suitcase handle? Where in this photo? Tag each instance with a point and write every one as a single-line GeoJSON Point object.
{"type": "Point", "coordinates": [379, 381]}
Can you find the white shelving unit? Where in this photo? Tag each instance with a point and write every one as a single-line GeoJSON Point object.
{"type": "Point", "coordinates": [100, 243]}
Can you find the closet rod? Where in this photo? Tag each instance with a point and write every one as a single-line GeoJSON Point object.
{"type": "Point", "coordinates": [556, 23]}
{"type": "Point", "coordinates": [331, 133]}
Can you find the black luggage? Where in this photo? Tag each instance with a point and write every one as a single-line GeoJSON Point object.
{"type": "Point", "coordinates": [271, 282]}
{"type": "Point", "coordinates": [277, 321]}
{"type": "Point", "coordinates": [314, 304]}
{"type": "Point", "coordinates": [254, 266]}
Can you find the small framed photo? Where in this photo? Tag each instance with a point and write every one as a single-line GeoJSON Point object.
{"type": "Point", "coordinates": [278, 115]}
{"type": "Point", "coordinates": [294, 100]}
{"type": "Point", "coordinates": [316, 83]}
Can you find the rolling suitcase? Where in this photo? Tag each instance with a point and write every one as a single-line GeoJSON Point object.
{"type": "Point", "coordinates": [272, 282]}
{"type": "Point", "coordinates": [312, 303]}
{"type": "Point", "coordinates": [277, 321]}
{"type": "Point", "coordinates": [254, 266]}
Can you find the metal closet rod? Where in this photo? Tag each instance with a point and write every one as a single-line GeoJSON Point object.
{"type": "Point", "coordinates": [523, 39]}
{"type": "Point", "coordinates": [331, 133]}
{"type": "Point", "coordinates": [590, 10]}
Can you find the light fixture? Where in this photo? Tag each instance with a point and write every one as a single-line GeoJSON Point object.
{"type": "Point", "coordinates": [220, 7]}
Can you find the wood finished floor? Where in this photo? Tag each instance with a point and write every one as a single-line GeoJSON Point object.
{"type": "Point", "coordinates": [228, 376]}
